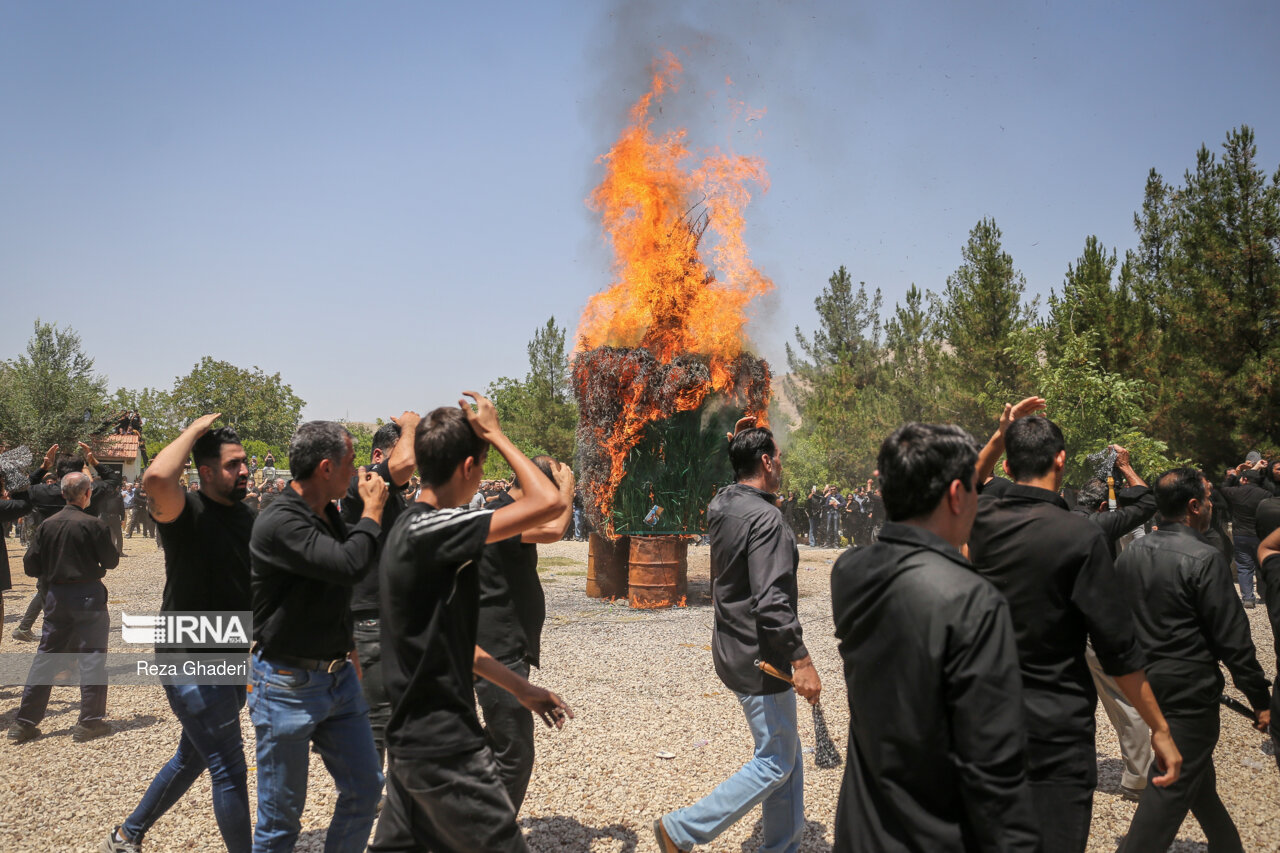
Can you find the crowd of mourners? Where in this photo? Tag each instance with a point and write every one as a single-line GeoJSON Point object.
{"type": "Point", "coordinates": [980, 620]}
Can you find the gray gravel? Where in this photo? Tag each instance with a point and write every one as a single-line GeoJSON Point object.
{"type": "Point", "coordinates": [640, 682]}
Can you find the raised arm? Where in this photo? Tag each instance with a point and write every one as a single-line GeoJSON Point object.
{"type": "Point", "coordinates": [553, 531]}
{"type": "Point", "coordinates": [402, 460]}
{"type": "Point", "coordinates": [165, 494]}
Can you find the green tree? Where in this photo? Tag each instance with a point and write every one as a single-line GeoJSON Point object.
{"type": "Point", "coordinates": [915, 381]}
{"type": "Point", "coordinates": [539, 412]}
{"type": "Point", "coordinates": [980, 314]}
{"type": "Point", "coordinates": [259, 405]}
{"type": "Point", "coordinates": [51, 394]}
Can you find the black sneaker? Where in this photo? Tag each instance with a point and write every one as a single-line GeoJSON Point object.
{"type": "Point", "coordinates": [115, 843]}
{"type": "Point", "coordinates": [89, 730]}
{"type": "Point", "coordinates": [21, 732]}
{"type": "Point", "coordinates": [24, 635]}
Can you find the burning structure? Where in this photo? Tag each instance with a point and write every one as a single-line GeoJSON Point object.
{"type": "Point", "coordinates": [661, 371]}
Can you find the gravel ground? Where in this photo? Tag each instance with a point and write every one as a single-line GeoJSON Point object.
{"type": "Point", "coordinates": [640, 682]}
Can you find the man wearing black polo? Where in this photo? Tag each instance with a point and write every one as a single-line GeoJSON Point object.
{"type": "Point", "coordinates": [392, 460]}
{"type": "Point", "coordinates": [1056, 572]}
{"type": "Point", "coordinates": [512, 610]}
{"type": "Point", "coordinates": [936, 751]}
{"type": "Point", "coordinates": [1188, 619]}
{"type": "Point", "coordinates": [1243, 493]}
{"type": "Point", "coordinates": [205, 536]}
{"type": "Point", "coordinates": [72, 551]}
{"type": "Point", "coordinates": [305, 689]}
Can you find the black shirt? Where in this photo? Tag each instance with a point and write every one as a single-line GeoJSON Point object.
{"type": "Point", "coordinates": [206, 556]}
{"type": "Point", "coordinates": [1056, 572]}
{"type": "Point", "coordinates": [1188, 618]}
{"type": "Point", "coordinates": [71, 546]}
{"type": "Point", "coordinates": [430, 594]}
{"type": "Point", "coordinates": [935, 706]}
{"type": "Point", "coordinates": [364, 598]}
{"type": "Point", "coordinates": [10, 510]}
{"type": "Point", "coordinates": [46, 498]}
{"type": "Point", "coordinates": [512, 604]}
{"type": "Point", "coordinates": [304, 567]}
{"type": "Point", "coordinates": [753, 569]}
{"type": "Point", "coordinates": [1243, 501]}
{"type": "Point", "coordinates": [1134, 507]}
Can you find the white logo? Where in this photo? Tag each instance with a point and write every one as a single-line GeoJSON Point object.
{"type": "Point", "coordinates": [185, 629]}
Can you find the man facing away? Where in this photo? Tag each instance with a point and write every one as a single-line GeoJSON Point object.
{"type": "Point", "coordinates": [306, 690]}
{"type": "Point", "coordinates": [1243, 494]}
{"type": "Point", "coordinates": [71, 551]}
{"type": "Point", "coordinates": [936, 739]}
{"type": "Point", "coordinates": [1188, 618]}
{"type": "Point", "coordinates": [1056, 572]}
{"type": "Point", "coordinates": [205, 536]}
{"type": "Point", "coordinates": [512, 610]}
{"type": "Point", "coordinates": [753, 563]}
{"type": "Point", "coordinates": [444, 792]}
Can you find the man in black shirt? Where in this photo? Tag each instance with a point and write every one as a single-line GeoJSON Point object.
{"type": "Point", "coordinates": [754, 560]}
{"type": "Point", "coordinates": [1243, 497]}
{"type": "Point", "coordinates": [392, 460]}
{"type": "Point", "coordinates": [936, 750]}
{"type": "Point", "coordinates": [443, 791]}
{"type": "Point", "coordinates": [814, 507]}
{"type": "Point", "coordinates": [1056, 572]}
{"type": "Point", "coordinates": [305, 689]}
{"type": "Point", "coordinates": [512, 610]}
{"type": "Point", "coordinates": [205, 536]}
{"type": "Point", "coordinates": [1268, 527]}
{"type": "Point", "coordinates": [72, 550]}
{"type": "Point", "coordinates": [1188, 619]}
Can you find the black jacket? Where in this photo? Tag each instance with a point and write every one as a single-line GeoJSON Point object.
{"type": "Point", "coordinates": [936, 738]}
{"type": "Point", "coordinates": [47, 499]}
{"type": "Point", "coordinates": [71, 546]}
{"type": "Point", "coordinates": [1243, 501]}
{"type": "Point", "coordinates": [753, 569]}
{"type": "Point", "coordinates": [1188, 618]}
{"type": "Point", "coordinates": [10, 510]}
{"type": "Point", "coordinates": [1134, 507]}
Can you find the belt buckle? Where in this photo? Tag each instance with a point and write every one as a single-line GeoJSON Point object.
{"type": "Point", "coordinates": [335, 665]}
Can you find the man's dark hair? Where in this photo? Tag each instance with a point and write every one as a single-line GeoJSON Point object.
{"type": "Point", "coordinates": [543, 462]}
{"type": "Point", "coordinates": [1030, 445]}
{"type": "Point", "coordinates": [314, 442]}
{"type": "Point", "coordinates": [1268, 517]}
{"type": "Point", "coordinates": [919, 462]}
{"type": "Point", "coordinates": [385, 438]}
{"type": "Point", "coordinates": [208, 448]}
{"type": "Point", "coordinates": [443, 441]}
{"type": "Point", "coordinates": [67, 464]}
{"type": "Point", "coordinates": [1092, 493]}
{"type": "Point", "coordinates": [747, 449]}
{"type": "Point", "coordinates": [1176, 488]}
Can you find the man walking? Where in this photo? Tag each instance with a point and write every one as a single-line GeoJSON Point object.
{"type": "Point", "coordinates": [205, 535]}
{"type": "Point", "coordinates": [1056, 572]}
{"type": "Point", "coordinates": [1188, 619]}
{"type": "Point", "coordinates": [936, 752]}
{"type": "Point", "coordinates": [754, 561]}
{"type": "Point", "coordinates": [72, 550]}
{"type": "Point", "coordinates": [512, 610]}
{"type": "Point", "coordinates": [305, 689]}
{"type": "Point", "coordinates": [1243, 494]}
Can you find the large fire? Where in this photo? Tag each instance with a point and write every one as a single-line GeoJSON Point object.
{"type": "Point", "coordinates": [669, 328]}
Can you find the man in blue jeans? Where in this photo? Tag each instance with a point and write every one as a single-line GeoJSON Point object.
{"type": "Point", "coordinates": [306, 689]}
{"type": "Point", "coordinates": [753, 560]}
{"type": "Point", "coordinates": [1243, 494]}
{"type": "Point", "coordinates": [205, 535]}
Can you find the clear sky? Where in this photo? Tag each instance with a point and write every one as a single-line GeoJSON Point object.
{"type": "Point", "coordinates": [383, 201]}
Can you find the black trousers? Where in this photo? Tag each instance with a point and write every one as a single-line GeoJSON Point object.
{"type": "Point", "coordinates": [117, 538]}
{"type": "Point", "coordinates": [1269, 586]}
{"type": "Point", "coordinates": [1161, 810]}
{"type": "Point", "coordinates": [454, 804]}
{"type": "Point", "coordinates": [509, 727]}
{"type": "Point", "coordinates": [75, 620]}
{"type": "Point", "coordinates": [1062, 777]}
{"type": "Point", "coordinates": [368, 637]}
{"type": "Point", "coordinates": [34, 606]}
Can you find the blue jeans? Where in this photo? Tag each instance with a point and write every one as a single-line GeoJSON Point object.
{"type": "Point", "coordinates": [292, 709]}
{"type": "Point", "coordinates": [1246, 559]}
{"type": "Point", "coordinates": [210, 717]}
{"type": "Point", "coordinates": [813, 531]}
{"type": "Point", "coordinates": [774, 776]}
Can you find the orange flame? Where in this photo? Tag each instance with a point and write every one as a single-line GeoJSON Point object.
{"type": "Point", "coordinates": [665, 298]}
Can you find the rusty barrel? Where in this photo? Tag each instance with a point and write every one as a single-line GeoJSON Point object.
{"type": "Point", "coordinates": [607, 566]}
{"type": "Point", "coordinates": [659, 573]}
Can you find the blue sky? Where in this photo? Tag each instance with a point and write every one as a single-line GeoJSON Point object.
{"type": "Point", "coordinates": [384, 201]}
